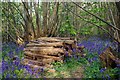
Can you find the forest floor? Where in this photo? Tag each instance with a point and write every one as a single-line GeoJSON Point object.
{"type": "Point", "coordinates": [78, 73]}
{"type": "Point", "coordinates": [73, 67]}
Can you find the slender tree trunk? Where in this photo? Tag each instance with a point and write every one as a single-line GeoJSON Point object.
{"type": "Point", "coordinates": [55, 23]}
{"type": "Point", "coordinates": [31, 21]}
{"type": "Point", "coordinates": [8, 23]}
{"type": "Point", "coordinates": [39, 32]}
{"type": "Point", "coordinates": [53, 20]}
{"type": "Point", "coordinates": [27, 28]}
{"type": "Point", "coordinates": [44, 5]}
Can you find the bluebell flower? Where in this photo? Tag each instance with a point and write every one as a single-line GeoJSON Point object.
{"type": "Point", "coordinates": [37, 76]}
{"type": "Point", "coordinates": [31, 72]}
{"type": "Point", "coordinates": [27, 67]}
{"type": "Point", "coordinates": [11, 45]}
{"type": "Point", "coordinates": [20, 67]}
{"type": "Point", "coordinates": [4, 62]}
{"type": "Point", "coordinates": [94, 59]}
{"type": "Point", "coordinates": [17, 50]}
{"type": "Point", "coordinates": [17, 58]}
{"type": "Point", "coordinates": [66, 54]}
{"type": "Point", "coordinates": [13, 68]}
{"type": "Point", "coordinates": [8, 76]}
{"type": "Point", "coordinates": [11, 63]}
{"type": "Point", "coordinates": [36, 69]}
{"type": "Point", "coordinates": [16, 63]}
{"type": "Point", "coordinates": [10, 54]}
{"type": "Point", "coordinates": [30, 62]}
{"type": "Point", "coordinates": [74, 50]}
{"type": "Point", "coordinates": [90, 60]}
{"type": "Point", "coordinates": [108, 77]}
{"type": "Point", "coordinates": [64, 61]}
{"type": "Point", "coordinates": [26, 42]}
{"type": "Point", "coordinates": [14, 75]}
{"type": "Point", "coordinates": [42, 69]}
{"type": "Point", "coordinates": [95, 44]}
{"type": "Point", "coordinates": [103, 77]}
{"type": "Point", "coordinates": [102, 70]}
{"type": "Point", "coordinates": [21, 47]}
{"type": "Point", "coordinates": [118, 65]}
{"type": "Point", "coordinates": [39, 72]}
{"type": "Point", "coordinates": [4, 66]}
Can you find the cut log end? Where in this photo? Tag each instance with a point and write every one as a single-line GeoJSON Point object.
{"type": "Point", "coordinates": [45, 50]}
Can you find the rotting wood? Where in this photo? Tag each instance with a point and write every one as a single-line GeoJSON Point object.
{"type": "Point", "coordinates": [109, 59]}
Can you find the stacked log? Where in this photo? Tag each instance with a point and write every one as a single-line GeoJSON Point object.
{"type": "Point", "coordinates": [45, 50]}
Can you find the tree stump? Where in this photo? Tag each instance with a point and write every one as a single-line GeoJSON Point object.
{"type": "Point", "coordinates": [45, 50]}
{"type": "Point", "coordinates": [109, 58]}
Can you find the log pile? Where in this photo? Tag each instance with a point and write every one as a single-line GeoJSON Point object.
{"type": "Point", "coordinates": [45, 50]}
{"type": "Point", "coordinates": [109, 58]}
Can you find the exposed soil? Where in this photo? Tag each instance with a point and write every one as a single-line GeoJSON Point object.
{"type": "Point", "coordinates": [78, 73]}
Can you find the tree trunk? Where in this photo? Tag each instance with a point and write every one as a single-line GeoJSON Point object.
{"type": "Point", "coordinates": [44, 5]}
{"type": "Point", "coordinates": [39, 32]}
{"type": "Point", "coordinates": [30, 21]}
{"type": "Point", "coordinates": [53, 20]}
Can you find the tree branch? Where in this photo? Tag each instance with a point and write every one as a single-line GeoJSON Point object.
{"type": "Point", "coordinates": [97, 17]}
{"type": "Point", "coordinates": [93, 24]}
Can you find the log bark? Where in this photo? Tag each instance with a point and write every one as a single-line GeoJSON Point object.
{"type": "Point", "coordinates": [45, 44]}
{"type": "Point", "coordinates": [41, 55]}
{"type": "Point", "coordinates": [109, 59]}
{"type": "Point", "coordinates": [45, 50]}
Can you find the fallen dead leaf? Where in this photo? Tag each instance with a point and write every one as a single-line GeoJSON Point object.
{"type": "Point", "coordinates": [51, 70]}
